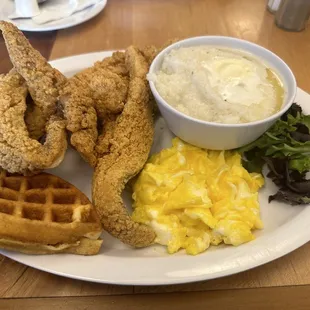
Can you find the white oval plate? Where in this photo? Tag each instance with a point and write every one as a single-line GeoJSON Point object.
{"type": "Point", "coordinates": [7, 8]}
{"type": "Point", "coordinates": [286, 228]}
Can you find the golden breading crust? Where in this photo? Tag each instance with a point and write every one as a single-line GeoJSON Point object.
{"type": "Point", "coordinates": [108, 80]}
{"type": "Point", "coordinates": [108, 109]}
{"type": "Point", "coordinates": [78, 106]}
{"type": "Point", "coordinates": [129, 150]}
{"type": "Point", "coordinates": [18, 152]}
{"type": "Point", "coordinates": [43, 81]}
{"type": "Point", "coordinates": [93, 97]}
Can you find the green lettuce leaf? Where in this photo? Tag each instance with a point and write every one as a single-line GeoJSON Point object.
{"type": "Point", "coordinates": [301, 164]}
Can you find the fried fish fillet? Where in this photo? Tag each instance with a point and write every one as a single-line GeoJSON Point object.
{"type": "Point", "coordinates": [108, 79]}
{"type": "Point", "coordinates": [91, 100]}
{"type": "Point", "coordinates": [110, 117]}
{"type": "Point", "coordinates": [78, 106]}
{"type": "Point", "coordinates": [21, 126]}
{"type": "Point", "coordinates": [43, 81]}
{"type": "Point", "coordinates": [129, 149]}
{"type": "Point", "coordinates": [18, 152]}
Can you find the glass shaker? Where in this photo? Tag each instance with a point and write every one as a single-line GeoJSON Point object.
{"type": "Point", "coordinates": [273, 5]}
{"type": "Point", "coordinates": [293, 15]}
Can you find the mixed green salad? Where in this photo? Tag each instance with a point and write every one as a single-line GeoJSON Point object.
{"type": "Point", "coordinates": [285, 148]}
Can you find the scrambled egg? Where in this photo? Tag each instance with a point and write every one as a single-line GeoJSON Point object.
{"type": "Point", "coordinates": [195, 198]}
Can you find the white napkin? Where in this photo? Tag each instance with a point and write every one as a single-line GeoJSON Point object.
{"type": "Point", "coordinates": [51, 9]}
{"type": "Point", "coordinates": [58, 9]}
{"type": "Point", "coordinates": [25, 9]}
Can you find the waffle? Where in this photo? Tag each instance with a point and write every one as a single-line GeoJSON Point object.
{"type": "Point", "coordinates": [45, 214]}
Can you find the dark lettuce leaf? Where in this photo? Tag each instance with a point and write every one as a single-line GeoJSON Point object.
{"type": "Point", "coordinates": [302, 128]}
{"type": "Point", "coordinates": [294, 111]}
{"type": "Point", "coordinates": [254, 165]}
{"type": "Point", "coordinates": [290, 197]}
{"type": "Point", "coordinates": [300, 137]}
{"type": "Point", "coordinates": [306, 122]}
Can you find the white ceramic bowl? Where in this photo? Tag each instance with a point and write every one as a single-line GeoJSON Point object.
{"type": "Point", "coordinates": [218, 136]}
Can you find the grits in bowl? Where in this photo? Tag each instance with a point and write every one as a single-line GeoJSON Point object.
{"type": "Point", "coordinates": [217, 84]}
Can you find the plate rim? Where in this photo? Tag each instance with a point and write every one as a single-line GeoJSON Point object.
{"type": "Point", "coordinates": [167, 281]}
{"type": "Point", "coordinates": [290, 244]}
